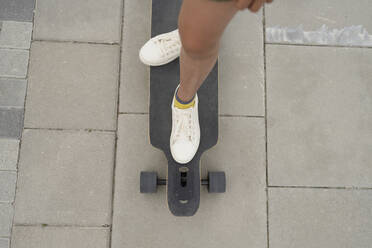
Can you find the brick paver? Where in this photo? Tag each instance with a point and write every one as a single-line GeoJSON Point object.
{"type": "Point", "coordinates": [13, 63]}
{"type": "Point", "coordinates": [17, 10]}
{"type": "Point", "coordinates": [11, 122]}
{"type": "Point", "coordinates": [8, 154]}
{"type": "Point", "coordinates": [13, 92]}
{"type": "Point", "coordinates": [15, 40]}
{"type": "Point", "coordinates": [7, 186]}
{"type": "Point", "coordinates": [6, 218]}
{"type": "Point", "coordinates": [15, 34]}
{"type": "Point", "coordinates": [4, 243]}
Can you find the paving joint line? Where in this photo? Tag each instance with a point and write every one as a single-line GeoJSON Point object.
{"type": "Point", "coordinates": [106, 226]}
{"type": "Point", "coordinates": [89, 130]}
{"type": "Point", "coordinates": [15, 48]}
{"type": "Point", "coordinates": [11, 107]}
{"type": "Point", "coordinates": [265, 118]}
{"type": "Point", "coordinates": [117, 124]}
{"type": "Point", "coordinates": [316, 45]}
{"type": "Point", "coordinates": [76, 42]}
{"type": "Point", "coordinates": [8, 170]}
{"type": "Point", "coordinates": [319, 187]}
{"type": "Point", "coordinates": [242, 116]}
{"type": "Point", "coordinates": [220, 115]}
{"type": "Point", "coordinates": [133, 113]}
{"type": "Point", "coordinates": [10, 78]}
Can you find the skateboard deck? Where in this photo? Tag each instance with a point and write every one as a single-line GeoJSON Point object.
{"type": "Point", "coordinates": [183, 180]}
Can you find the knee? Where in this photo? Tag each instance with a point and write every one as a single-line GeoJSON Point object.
{"type": "Point", "coordinates": [198, 46]}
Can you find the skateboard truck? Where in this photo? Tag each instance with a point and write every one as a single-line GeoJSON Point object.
{"type": "Point", "coordinates": [216, 181]}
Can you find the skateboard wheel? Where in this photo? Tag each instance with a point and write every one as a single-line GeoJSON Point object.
{"type": "Point", "coordinates": [216, 182]}
{"type": "Point", "coordinates": [148, 182]}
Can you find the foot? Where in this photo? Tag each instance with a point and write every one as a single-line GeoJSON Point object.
{"type": "Point", "coordinates": [161, 49]}
{"type": "Point", "coordinates": [185, 136]}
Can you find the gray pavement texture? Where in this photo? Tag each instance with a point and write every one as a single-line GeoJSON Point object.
{"type": "Point", "coordinates": [332, 13]}
{"type": "Point", "coordinates": [12, 92]}
{"type": "Point", "coordinates": [15, 34]}
{"type": "Point", "coordinates": [7, 186]}
{"type": "Point", "coordinates": [4, 243]}
{"type": "Point", "coordinates": [65, 177]}
{"type": "Point", "coordinates": [60, 237]}
{"type": "Point", "coordinates": [295, 131]}
{"type": "Point", "coordinates": [320, 114]}
{"type": "Point", "coordinates": [222, 220]}
{"type": "Point", "coordinates": [15, 40]}
{"type": "Point", "coordinates": [8, 154]}
{"type": "Point", "coordinates": [313, 218]}
{"type": "Point", "coordinates": [78, 20]}
{"type": "Point", "coordinates": [17, 10]}
{"type": "Point", "coordinates": [13, 63]}
{"type": "Point", "coordinates": [72, 86]}
{"type": "Point", "coordinates": [6, 218]}
{"type": "Point", "coordinates": [11, 122]}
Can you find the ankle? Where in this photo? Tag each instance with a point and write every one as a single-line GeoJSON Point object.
{"type": "Point", "coordinates": [184, 96]}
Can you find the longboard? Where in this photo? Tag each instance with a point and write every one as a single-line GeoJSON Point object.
{"type": "Point", "coordinates": [183, 180]}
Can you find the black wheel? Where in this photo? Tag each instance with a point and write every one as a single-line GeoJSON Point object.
{"type": "Point", "coordinates": [148, 182]}
{"type": "Point", "coordinates": [216, 182]}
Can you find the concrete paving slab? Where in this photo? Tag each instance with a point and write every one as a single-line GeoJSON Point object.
{"type": "Point", "coordinates": [78, 20]}
{"type": "Point", "coordinates": [233, 219]}
{"type": "Point", "coordinates": [11, 124]}
{"type": "Point", "coordinates": [65, 178]}
{"type": "Point", "coordinates": [241, 67]}
{"type": "Point", "coordinates": [59, 237]}
{"type": "Point", "coordinates": [8, 154]}
{"type": "Point", "coordinates": [17, 10]}
{"type": "Point", "coordinates": [319, 116]}
{"type": "Point", "coordinates": [13, 63]}
{"type": "Point", "coordinates": [12, 92]}
{"type": "Point", "coordinates": [4, 243]}
{"type": "Point", "coordinates": [72, 86]}
{"type": "Point", "coordinates": [6, 218]}
{"type": "Point", "coordinates": [135, 76]}
{"type": "Point", "coordinates": [8, 181]}
{"type": "Point", "coordinates": [313, 218]}
{"type": "Point", "coordinates": [15, 34]}
{"type": "Point", "coordinates": [334, 14]}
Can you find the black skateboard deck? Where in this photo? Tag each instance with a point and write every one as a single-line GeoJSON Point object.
{"type": "Point", "coordinates": [183, 180]}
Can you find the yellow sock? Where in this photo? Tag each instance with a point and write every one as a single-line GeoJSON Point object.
{"type": "Point", "coordinates": [183, 105]}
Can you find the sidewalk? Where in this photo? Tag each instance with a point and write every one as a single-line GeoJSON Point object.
{"type": "Point", "coordinates": [295, 129]}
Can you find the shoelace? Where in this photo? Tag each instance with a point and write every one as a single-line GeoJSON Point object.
{"type": "Point", "coordinates": [167, 45]}
{"type": "Point", "coordinates": [184, 125]}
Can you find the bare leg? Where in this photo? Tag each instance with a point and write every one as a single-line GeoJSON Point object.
{"type": "Point", "coordinates": [201, 24]}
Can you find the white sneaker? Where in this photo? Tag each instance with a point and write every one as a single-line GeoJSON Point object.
{"type": "Point", "coordinates": [185, 136]}
{"type": "Point", "coordinates": [161, 49]}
